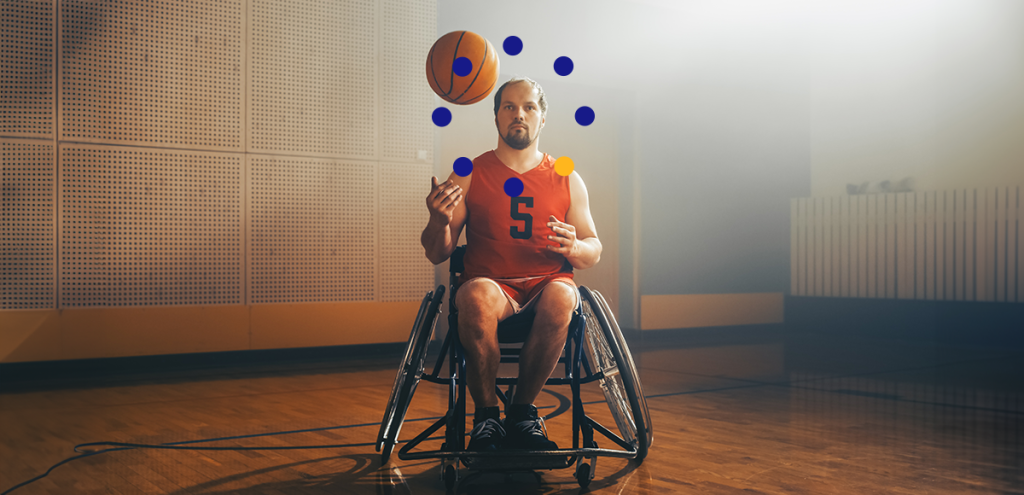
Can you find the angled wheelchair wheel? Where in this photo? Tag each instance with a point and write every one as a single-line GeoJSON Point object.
{"type": "Point", "coordinates": [641, 398]}
{"type": "Point", "coordinates": [409, 372]}
{"type": "Point", "coordinates": [607, 353]}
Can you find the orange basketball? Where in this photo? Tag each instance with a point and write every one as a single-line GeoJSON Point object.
{"type": "Point", "coordinates": [462, 67]}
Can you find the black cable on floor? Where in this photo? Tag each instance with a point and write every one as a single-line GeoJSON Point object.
{"type": "Point", "coordinates": [184, 446]}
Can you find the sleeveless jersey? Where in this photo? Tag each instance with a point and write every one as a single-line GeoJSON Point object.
{"type": "Point", "coordinates": [506, 236]}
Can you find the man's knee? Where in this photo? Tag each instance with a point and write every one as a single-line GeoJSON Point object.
{"type": "Point", "coordinates": [557, 300]}
{"type": "Point", "coordinates": [480, 297]}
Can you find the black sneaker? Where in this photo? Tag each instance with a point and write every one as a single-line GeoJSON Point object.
{"type": "Point", "coordinates": [486, 435]}
{"type": "Point", "coordinates": [525, 429]}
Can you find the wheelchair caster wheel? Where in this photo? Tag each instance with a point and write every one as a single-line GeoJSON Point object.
{"type": "Point", "coordinates": [450, 477]}
{"type": "Point", "coordinates": [583, 475]}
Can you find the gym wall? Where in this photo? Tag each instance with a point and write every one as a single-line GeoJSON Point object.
{"type": "Point", "coordinates": [939, 267]}
{"type": "Point", "coordinates": [722, 147]}
{"type": "Point", "coordinates": [935, 93]}
{"type": "Point", "coordinates": [204, 176]}
{"type": "Point", "coordinates": [958, 245]}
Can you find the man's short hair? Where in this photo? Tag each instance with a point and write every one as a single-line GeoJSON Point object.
{"type": "Point", "coordinates": [541, 100]}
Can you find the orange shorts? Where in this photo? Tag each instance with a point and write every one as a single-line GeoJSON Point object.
{"type": "Point", "coordinates": [522, 292]}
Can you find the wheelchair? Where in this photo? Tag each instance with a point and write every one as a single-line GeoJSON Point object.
{"type": "Point", "coordinates": [595, 351]}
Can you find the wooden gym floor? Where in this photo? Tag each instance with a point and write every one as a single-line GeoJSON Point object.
{"type": "Point", "coordinates": [769, 414]}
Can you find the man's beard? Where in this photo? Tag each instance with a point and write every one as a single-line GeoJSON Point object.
{"type": "Point", "coordinates": [518, 141]}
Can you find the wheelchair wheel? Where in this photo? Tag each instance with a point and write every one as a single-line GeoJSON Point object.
{"type": "Point", "coordinates": [642, 399]}
{"type": "Point", "coordinates": [607, 352]}
{"type": "Point", "coordinates": [583, 475]}
{"type": "Point", "coordinates": [409, 372]}
{"type": "Point", "coordinates": [450, 476]}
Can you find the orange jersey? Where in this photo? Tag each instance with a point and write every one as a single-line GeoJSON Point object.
{"type": "Point", "coordinates": [506, 237]}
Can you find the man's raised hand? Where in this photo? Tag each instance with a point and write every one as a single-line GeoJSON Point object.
{"type": "Point", "coordinates": [564, 235]}
{"type": "Point", "coordinates": [442, 200]}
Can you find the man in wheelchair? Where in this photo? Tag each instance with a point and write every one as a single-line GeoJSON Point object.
{"type": "Point", "coordinates": [527, 227]}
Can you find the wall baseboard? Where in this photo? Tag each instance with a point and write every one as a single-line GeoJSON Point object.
{"type": "Point", "coordinates": [670, 311]}
{"type": "Point", "coordinates": [88, 333]}
{"type": "Point", "coordinates": [705, 336]}
{"type": "Point", "coordinates": [107, 371]}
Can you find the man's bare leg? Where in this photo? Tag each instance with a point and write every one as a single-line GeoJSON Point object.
{"type": "Point", "coordinates": [524, 429]}
{"type": "Point", "coordinates": [482, 305]}
{"type": "Point", "coordinates": [546, 340]}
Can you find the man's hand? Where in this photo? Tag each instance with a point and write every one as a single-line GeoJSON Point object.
{"type": "Point", "coordinates": [442, 200]}
{"type": "Point", "coordinates": [565, 236]}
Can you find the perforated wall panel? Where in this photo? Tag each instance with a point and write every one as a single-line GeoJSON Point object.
{"type": "Point", "coordinates": [406, 274]}
{"type": "Point", "coordinates": [313, 230]}
{"type": "Point", "coordinates": [409, 28]}
{"type": "Point", "coordinates": [313, 78]}
{"type": "Point", "coordinates": [26, 68]}
{"type": "Point", "coordinates": [27, 225]}
{"type": "Point", "coordinates": [150, 227]}
{"type": "Point", "coordinates": [153, 73]}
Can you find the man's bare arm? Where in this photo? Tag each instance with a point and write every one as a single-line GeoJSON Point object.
{"type": "Point", "coordinates": [589, 253]}
{"type": "Point", "coordinates": [447, 217]}
{"type": "Point", "coordinates": [576, 237]}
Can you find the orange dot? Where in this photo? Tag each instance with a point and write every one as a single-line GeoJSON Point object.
{"type": "Point", "coordinates": [564, 166]}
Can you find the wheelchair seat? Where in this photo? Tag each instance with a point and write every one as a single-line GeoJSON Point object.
{"type": "Point", "coordinates": [595, 351]}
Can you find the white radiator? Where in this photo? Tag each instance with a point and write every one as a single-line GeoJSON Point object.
{"type": "Point", "coordinates": [957, 245]}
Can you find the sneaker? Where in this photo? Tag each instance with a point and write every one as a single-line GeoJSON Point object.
{"type": "Point", "coordinates": [525, 429]}
{"type": "Point", "coordinates": [486, 435]}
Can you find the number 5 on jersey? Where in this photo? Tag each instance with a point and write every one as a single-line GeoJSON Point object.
{"type": "Point", "coordinates": [527, 231]}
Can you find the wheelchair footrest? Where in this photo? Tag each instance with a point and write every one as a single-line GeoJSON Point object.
{"type": "Point", "coordinates": [549, 456]}
{"type": "Point", "coordinates": [517, 460]}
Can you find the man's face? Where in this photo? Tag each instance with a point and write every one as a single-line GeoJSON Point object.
{"type": "Point", "coordinates": [519, 118]}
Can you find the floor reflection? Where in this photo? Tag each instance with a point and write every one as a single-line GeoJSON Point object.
{"type": "Point", "coordinates": [876, 413]}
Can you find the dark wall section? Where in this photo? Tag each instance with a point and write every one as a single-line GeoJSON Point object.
{"type": "Point", "coordinates": [945, 323]}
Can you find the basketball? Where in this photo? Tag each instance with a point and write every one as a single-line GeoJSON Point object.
{"type": "Point", "coordinates": [462, 67]}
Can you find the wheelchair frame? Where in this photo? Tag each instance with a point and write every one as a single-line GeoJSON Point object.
{"type": "Point", "coordinates": [593, 328]}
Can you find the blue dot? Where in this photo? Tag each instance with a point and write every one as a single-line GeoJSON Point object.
{"type": "Point", "coordinates": [463, 166]}
{"type": "Point", "coordinates": [441, 116]}
{"type": "Point", "coordinates": [563, 66]}
{"type": "Point", "coordinates": [514, 187]}
{"type": "Point", "coordinates": [462, 67]}
{"type": "Point", "coordinates": [584, 115]}
{"type": "Point", "coordinates": [513, 45]}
